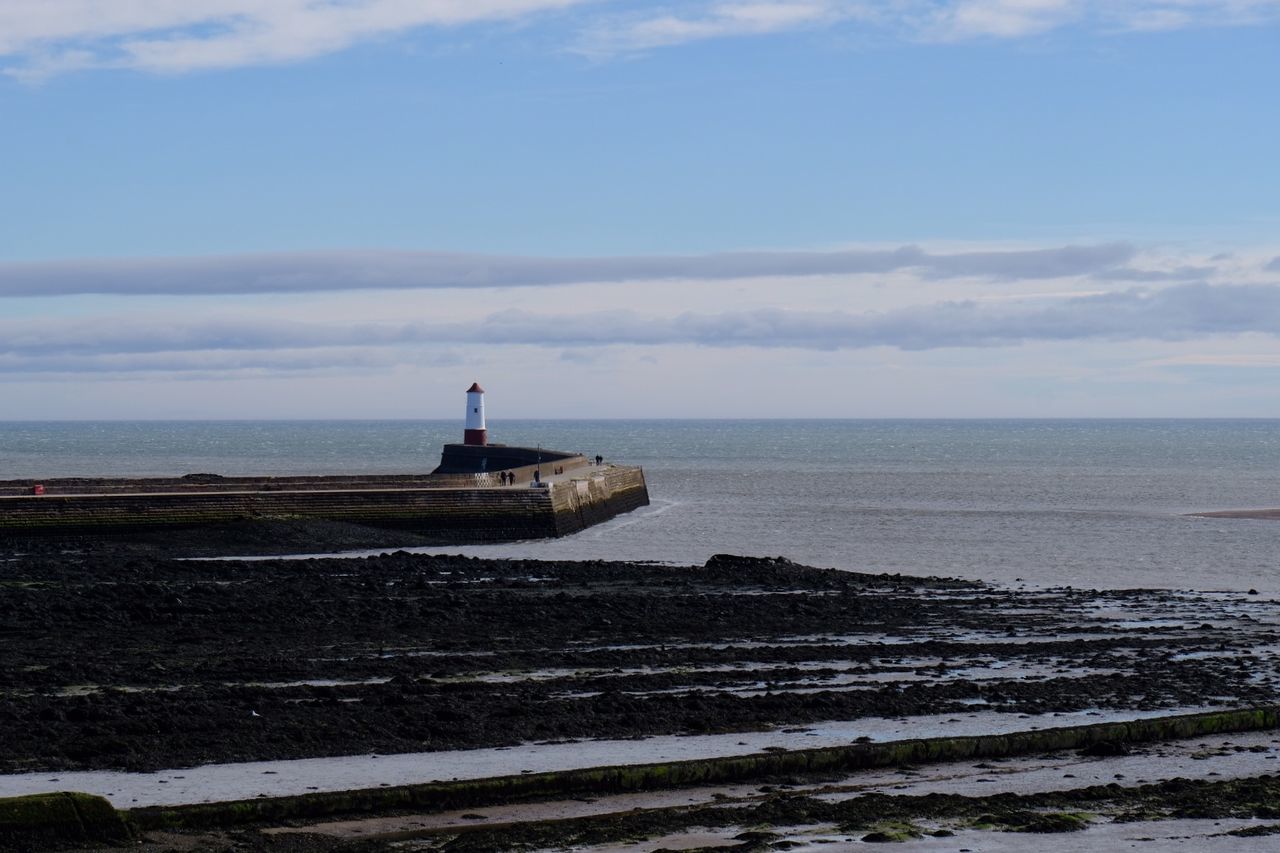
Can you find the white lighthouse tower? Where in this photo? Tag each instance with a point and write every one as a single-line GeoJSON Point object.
{"type": "Point", "coordinates": [474, 432]}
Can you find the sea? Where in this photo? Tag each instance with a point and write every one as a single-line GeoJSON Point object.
{"type": "Point", "coordinates": [1083, 503]}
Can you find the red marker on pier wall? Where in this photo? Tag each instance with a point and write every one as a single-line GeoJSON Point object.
{"type": "Point", "coordinates": [475, 433]}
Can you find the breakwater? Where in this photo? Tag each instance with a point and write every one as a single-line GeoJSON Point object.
{"type": "Point", "coordinates": [448, 507]}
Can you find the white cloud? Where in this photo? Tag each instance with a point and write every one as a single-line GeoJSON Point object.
{"type": "Point", "coordinates": [961, 19]}
{"type": "Point", "coordinates": [718, 20]}
{"type": "Point", "coordinates": [49, 36]}
{"type": "Point", "coordinates": [1142, 15]}
{"type": "Point", "coordinates": [303, 272]}
{"type": "Point", "coordinates": [1006, 18]}
{"type": "Point", "coordinates": [222, 362]}
{"type": "Point", "coordinates": [1268, 361]}
{"type": "Point", "coordinates": [1023, 324]}
{"type": "Point", "coordinates": [39, 38]}
{"type": "Point", "coordinates": [1176, 313]}
{"type": "Point", "coordinates": [355, 312]}
{"type": "Point", "coordinates": [946, 20]}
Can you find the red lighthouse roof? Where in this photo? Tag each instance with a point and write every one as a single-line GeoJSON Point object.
{"type": "Point", "coordinates": [475, 388]}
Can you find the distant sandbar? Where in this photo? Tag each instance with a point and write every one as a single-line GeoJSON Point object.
{"type": "Point", "coordinates": [1265, 514]}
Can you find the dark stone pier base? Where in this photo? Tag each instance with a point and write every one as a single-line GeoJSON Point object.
{"type": "Point", "coordinates": [454, 508]}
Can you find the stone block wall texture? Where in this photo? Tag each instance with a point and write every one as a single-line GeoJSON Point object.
{"type": "Point", "coordinates": [591, 498]}
{"type": "Point", "coordinates": [457, 508]}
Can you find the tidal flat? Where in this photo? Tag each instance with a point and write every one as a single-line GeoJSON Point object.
{"type": "Point", "coordinates": [129, 672]}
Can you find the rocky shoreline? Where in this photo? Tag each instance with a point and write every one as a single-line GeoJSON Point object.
{"type": "Point", "coordinates": [123, 655]}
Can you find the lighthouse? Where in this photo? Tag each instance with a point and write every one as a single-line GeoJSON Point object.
{"type": "Point", "coordinates": [474, 432]}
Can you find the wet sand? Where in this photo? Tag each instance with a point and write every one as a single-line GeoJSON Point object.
{"type": "Point", "coordinates": [1263, 514]}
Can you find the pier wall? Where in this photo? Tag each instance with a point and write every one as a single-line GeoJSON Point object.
{"type": "Point", "coordinates": [451, 508]}
{"type": "Point", "coordinates": [597, 496]}
{"type": "Point", "coordinates": [197, 483]}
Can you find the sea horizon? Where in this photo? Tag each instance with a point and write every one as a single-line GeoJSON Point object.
{"type": "Point", "coordinates": [452, 419]}
{"type": "Point", "coordinates": [1090, 502]}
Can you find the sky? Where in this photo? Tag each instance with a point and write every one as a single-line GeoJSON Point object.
{"type": "Point", "coordinates": [614, 209]}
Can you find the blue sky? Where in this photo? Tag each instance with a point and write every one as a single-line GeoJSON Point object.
{"type": "Point", "coordinates": [223, 208]}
